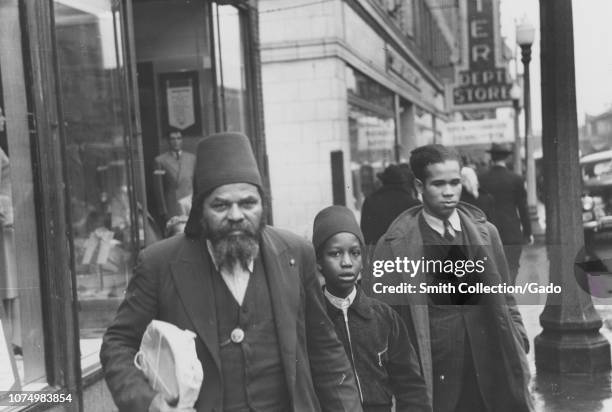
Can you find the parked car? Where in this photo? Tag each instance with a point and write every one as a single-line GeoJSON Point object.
{"type": "Point", "coordinates": [597, 192]}
{"type": "Point", "coordinates": [597, 210]}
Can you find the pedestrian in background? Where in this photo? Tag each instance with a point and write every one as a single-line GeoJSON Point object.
{"type": "Point", "coordinates": [176, 225]}
{"type": "Point", "coordinates": [510, 213]}
{"type": "Point", "coordinates": [385, 204]}
{"type": "Point", "coordinates": [173, 178]}
{"type": "Point", "coordinates": [472, 192]}
{"type": "Point", "coordinates": [374, 336]}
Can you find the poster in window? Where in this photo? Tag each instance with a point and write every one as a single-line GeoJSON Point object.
{"type": "Point", "coordinates": [180, 103]}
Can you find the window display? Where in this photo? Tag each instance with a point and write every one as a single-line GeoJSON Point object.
{"type": "Point", "coordinates": [91, 70]}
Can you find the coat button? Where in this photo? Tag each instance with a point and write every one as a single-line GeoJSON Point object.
{"type": "Point", "coordinates": [237, 335]}
{"type": "Point", "coordinates": [442, 378]}
{"type": "Point", "coordinates": [291, 262]}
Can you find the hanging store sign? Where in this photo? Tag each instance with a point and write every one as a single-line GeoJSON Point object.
{"type": "Point", "coordinates": [180, 103]}
{"type": "Point", "coordinates": [181, 108]}
{"type": "Point", "coordinates": [481, 81]}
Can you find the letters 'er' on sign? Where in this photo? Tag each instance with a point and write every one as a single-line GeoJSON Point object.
{"type": "Point", "coordinates": [481, 81]}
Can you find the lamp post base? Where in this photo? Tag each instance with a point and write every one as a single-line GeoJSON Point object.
{"type": "Point", "coordinates": [566, 346]}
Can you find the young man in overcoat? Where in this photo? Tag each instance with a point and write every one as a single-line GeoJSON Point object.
{"type": "Point", "coordinates": [471, 345]}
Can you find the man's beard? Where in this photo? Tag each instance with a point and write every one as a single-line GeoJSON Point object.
{"type": "Point", "coordinates": [230, 249]}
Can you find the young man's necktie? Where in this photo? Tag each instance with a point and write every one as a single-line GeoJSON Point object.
{"type": "Point", "coordinates": [448, 231]}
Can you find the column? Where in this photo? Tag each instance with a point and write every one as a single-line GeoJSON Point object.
{"type": "Point", "coordinates": [570, 341]}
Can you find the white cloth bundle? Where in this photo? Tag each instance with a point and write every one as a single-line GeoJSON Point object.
{"type": "Point", "coordinates": [168, 358]}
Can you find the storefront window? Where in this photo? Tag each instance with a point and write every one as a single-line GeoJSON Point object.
{"type": "Point", "coordinates": [371, 130]}
{"type": "Point", "coordinates": [231, 71]}
{"type": "Point", "coordinates": [10, 321]}
{"type": "Point", "coordinates": [424, 127]}
{"type": "Point", "coordinates": [22, 346]}
{"type": "Point", "coordinates": [91, 69]}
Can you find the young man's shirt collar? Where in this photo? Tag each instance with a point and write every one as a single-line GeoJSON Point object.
{"type": "Point", "coordinates": [341, 303]}
{"type": "Point", "coordinates": [438, 224]}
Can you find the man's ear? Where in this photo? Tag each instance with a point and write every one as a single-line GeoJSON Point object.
{"type": "Point", "coordinates": [418, 185]}
{"type": "Point", "coordinates": [319, 268]}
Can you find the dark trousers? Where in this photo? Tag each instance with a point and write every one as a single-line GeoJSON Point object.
{"type": "Point", "coordinates": [471, 398]}
{"type": "Point", "coordinates": [513, 257]}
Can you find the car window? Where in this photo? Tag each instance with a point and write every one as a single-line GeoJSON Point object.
{"type": "Point", "coordinates": [602, 168]}
{"type": "Point", "coordinates": [596, 169]}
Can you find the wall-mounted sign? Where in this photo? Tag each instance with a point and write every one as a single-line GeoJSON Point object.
{"type": "Point", "coordinates": [181, 108]}
{"type": "Point", "coordinates": [481, 81]}
{"type": "Point", "coordinates": [478, 132]}
{"type": "Point", "coordinates": [180, 103]}
{"type": "Point", "coordinates": [400, 67]}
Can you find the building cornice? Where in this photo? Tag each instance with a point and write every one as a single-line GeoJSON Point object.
{"type": "Point", "coordinates": [397, 41]}
{"type": "Point", "coordinates": [288, 51]}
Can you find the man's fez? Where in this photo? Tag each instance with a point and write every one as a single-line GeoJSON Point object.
{"type": "Point", "coordinates": [221, 159]}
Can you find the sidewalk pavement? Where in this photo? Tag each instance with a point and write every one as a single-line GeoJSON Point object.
{"type": "Point", "coordinates": [555, 392]}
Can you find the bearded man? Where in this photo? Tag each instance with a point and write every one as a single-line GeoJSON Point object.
{"type": "Point", "coordinates": [249, 292]}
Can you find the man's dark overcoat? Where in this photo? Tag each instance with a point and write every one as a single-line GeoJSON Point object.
{"type": "Point", "coordinates": [172, 282]}
{"type": "Point", "coordinates": [509, 214]}
{"type": "Point", "coordinates": [498, 337]}
{"type": "Point", "coordinates": [382, 207]}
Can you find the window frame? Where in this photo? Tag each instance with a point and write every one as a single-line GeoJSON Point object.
{"type": "Point", "coordinates": [62, 357]}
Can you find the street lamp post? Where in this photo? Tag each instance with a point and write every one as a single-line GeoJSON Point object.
{"type": "Point", "coordinates": [515, 95]}
{"type": "Point", "coordinates": [525, 34]}
{"type": "Point", "coordinates": [571, 341]}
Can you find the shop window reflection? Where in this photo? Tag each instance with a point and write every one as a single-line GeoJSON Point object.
{"type": "Point", "coordinates": [229, 49]}
{"type": "Point", "coordinates": [22, 349]}
{"type": "Point", "coordinates": [90, 67]}
{"type": "Point", "coordinates": [372, 142]}
{"type": "Point", "coordinates": [371, 121]}
{"type": "Point", "coordinates": [10, 331]}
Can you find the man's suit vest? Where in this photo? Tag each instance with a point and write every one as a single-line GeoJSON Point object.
{"type": "Point", "coordinates": [252, 370]}
{"type": "Point", "coordinates": [455, 383]}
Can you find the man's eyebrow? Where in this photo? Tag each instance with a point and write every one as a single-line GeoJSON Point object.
{"type": "Point", "coordinates": [441, 181]}
{"type": "Point", "coordinates": [219, 200]}
{"type": "Point", "coordinates": [248, 198]}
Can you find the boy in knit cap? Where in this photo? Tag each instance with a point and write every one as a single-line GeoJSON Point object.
{"type": "Point", "coordinates": [374, 337]}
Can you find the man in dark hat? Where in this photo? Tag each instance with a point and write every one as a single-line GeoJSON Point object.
{"type": "Point", "coordinates": [509, 213]}
{"type": "Point", "coordinates": [248, 291]}
{"type": "Point", "coordinates": [385, 204]}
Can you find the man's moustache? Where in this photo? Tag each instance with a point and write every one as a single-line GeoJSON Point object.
{"type": "Point", "coordinates": [245, 230]}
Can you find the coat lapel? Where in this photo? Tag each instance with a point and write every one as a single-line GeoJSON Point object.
{"type": "Point", "coordinates": [191, 273]}
{"type": "Point", "coordinates": [410, 244]}
{"type": "Point", "coordinates": [283, 280]}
